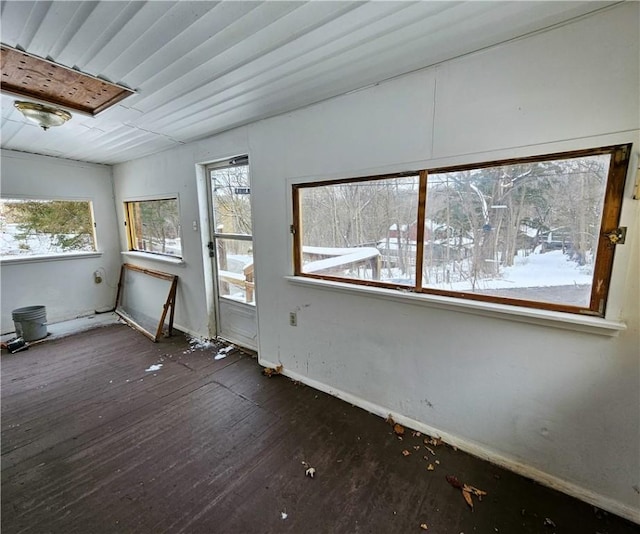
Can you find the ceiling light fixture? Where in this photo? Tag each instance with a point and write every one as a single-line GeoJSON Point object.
{"type": "Point", "coordinates": [43, 116]}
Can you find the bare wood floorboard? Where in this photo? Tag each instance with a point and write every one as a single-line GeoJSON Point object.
{"type": "Point", "coordinates": [92, 442]}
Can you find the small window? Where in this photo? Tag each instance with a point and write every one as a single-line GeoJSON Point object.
{"type": "Point", "coordinates": [530, 232]}
{"type": "Point", "coordinates": [154, 226]}
{"type": "Point", "coordinates": [33, 227]}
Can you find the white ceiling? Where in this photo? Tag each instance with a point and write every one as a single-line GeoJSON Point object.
{"type": "Point", "coordinates": [200, 68]}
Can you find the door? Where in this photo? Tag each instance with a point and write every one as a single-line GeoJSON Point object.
{"type": "Point", "coordinates": [232, 247]}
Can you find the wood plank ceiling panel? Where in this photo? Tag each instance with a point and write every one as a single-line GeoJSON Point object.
{"type": "Point", "coordinates": [118, 139]}
{"type": "Point", "coordinates": [127, 36]}
{"type": "Point", "coordinates": [420, 40]}
{"type": "Point", "coordinates": [276, 73]}
{"type": "Point", "coordinates": [95, 32]}
{"type": "Point", "coordinates": [179, 52]}
{"type": "Point", "coordinates": [265, 96]}
{"type": "Point", "coordinates": [158, 34]}
{"type": "Point", "coordinates": [55, 28]}
{"type": "Point", "coordinates": [236, 75]}
{"type": "Point", "coordinates": [30, 26]}
{"type": "Point", "coordinates": [18, 13]}
{"type": "Point", "coordinates": [205, 67]}
{"type": "Point", "coordinates": [207, 61]}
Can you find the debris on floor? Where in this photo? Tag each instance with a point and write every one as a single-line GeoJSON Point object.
{"type": "Point", "coordinates": [398, 429]}
{"type": "Point", "coordinates": [15, 345]}
{"type": "Point", "coordinates": [433, 441]}
{"type": "Point", "coordinates": [405, 452]}
{"type": "Point", "coordinates": [549, 523]}
{"type": "Point", "coordinates": [270, 371]}
{"type": "Point", "coordinates": [467, 490]}
{"type": "Point", "coordinates": [284, 515]}
{"type": "Point", "coordinates": [424, 526]}
{"type": "Point", "coordinates": [154, 367]}
{"type": "Point", "coordinates": [223, 353]}
{"type": "Point", "coordinates": [308, 470]}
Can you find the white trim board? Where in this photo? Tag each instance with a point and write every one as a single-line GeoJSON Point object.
{"type": "Point", "coordinates": [475, 449]}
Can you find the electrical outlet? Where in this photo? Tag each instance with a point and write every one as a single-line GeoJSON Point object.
{"type": "Point", "coordinates": [293, 319]}
{"type": "Point", "coordinates": [97, 278]}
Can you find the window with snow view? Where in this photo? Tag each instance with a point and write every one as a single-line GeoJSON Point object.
{"type": "Point", "coordinates": [33, 227]}
{"type": "Point", "coordinates": [528, 232]}
{"type": "Point", "coordinates": [154, 226]}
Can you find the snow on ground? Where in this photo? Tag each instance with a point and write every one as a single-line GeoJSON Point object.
{"type": "Point", "coordinates": [203, 344]}
{"type": "Point", "coordinates": [154, 367]}
{"type": "Point", "coordinates": [199, 344]}
{"type": "Point", "coordinates": [536, 270]}
{"type": "Point", "coordinates": [222, 353]}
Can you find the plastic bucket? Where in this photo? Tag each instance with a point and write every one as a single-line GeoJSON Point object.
{"type": "Point", "coordinates": [30, 322]}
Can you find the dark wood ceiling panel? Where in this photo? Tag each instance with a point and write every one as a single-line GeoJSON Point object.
{"type": "Point", "coordinates": [31, 77]}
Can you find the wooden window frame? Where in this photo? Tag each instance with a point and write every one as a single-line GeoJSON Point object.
{"type": "Point", "coordinates": [612, 205]}
{"type": "Point", "coordinates": [170, 302]}
{"type": "Point", "coordinates": [132, 231]}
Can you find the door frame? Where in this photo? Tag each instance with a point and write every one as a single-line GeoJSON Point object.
{"type": "Point", "coordinates": [208, 237]}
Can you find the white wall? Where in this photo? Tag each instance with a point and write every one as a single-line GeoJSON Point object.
{"type": "Point", "coordinates": [169, 174]}
{"type": "Point", "coordinates": [560, 405]}
{"type": "Point", "coordinates": [65, 287]}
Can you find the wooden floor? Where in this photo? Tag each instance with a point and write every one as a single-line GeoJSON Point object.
{"type": "Point", "coordinates": [93, 442]}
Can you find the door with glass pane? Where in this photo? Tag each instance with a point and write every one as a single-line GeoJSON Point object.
{"type": "Point", "coordinates": [232, 248]}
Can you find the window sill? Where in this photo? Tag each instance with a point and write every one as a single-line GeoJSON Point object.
{"type": "Point", "coordinates": [17, 260]}
{"type": "Point", "coordinates": [154, 257]}
{"type": "Point", "coordinates": [566, 321]}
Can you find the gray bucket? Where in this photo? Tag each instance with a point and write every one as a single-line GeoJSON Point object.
{"type": "Point", "coordinates": [30, 322]}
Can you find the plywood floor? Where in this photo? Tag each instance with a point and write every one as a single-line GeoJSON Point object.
{"type": "Point", "coordinates": [92, 442]}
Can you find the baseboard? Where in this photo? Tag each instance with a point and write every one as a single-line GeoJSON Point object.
{"type": "Point", "coordinates": [188, 331]}
{"type": "Point", "coordinates": [474, 449]}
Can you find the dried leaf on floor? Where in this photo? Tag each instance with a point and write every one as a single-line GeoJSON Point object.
{"type": "Point", "coordinates": [416, 434]}
{"type": "Point", "coordinates": [398, 429]}
{"type": "Point", "coordinates": [390, 420]}
{"type": "Point", "coordinates": [270, 371]}
{"type": "Point", "coordinates": [475, 491]}
{"type": "Point", "coordinates": [467, 497]}
{"type": "Point", "coordinates": [416, 447]}
{"type": "Point", "coordinates": [405, 452]}
{"type": "Point", "coordinates": [453, 480]}
{"type": "Point", "coordinates": [430, 467]}
{"type": "Point", "coordinates": [424, 526]}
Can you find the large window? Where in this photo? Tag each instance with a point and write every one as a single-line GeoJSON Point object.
{"type": "Point", "coordinates": [32, 227]}
{"type": "Point", "coordinates": [154, 226]}
{"type": "Point", "coordinates": [532, 232]}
